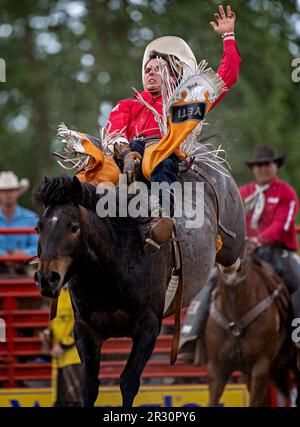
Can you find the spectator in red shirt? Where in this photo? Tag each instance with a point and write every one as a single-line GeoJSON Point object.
{"type": "Point", "coordinates": [271, 206]}
{"type": "Point", "coordinates": [135, 124]}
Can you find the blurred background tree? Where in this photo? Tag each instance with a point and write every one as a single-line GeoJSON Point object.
{"type": "Point", "coordinates": [71, 61]}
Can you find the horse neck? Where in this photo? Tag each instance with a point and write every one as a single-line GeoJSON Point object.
{"type": "Point", "coordinates": [104, 246]}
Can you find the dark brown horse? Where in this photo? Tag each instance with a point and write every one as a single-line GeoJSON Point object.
{"type": "Point", "coordinates": [117, 289]}
{"type": "Point", "coordinates": [247, 331]}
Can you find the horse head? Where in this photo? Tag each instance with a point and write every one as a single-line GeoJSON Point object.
{"type": "Point", "coordinates": [249, 256]}
{"type": "Point", "coordinates": [60, 232]}
{"type": "Point", "coordinates": [72, 234]}
{"type": "Point", "coordinates": [234, 279]}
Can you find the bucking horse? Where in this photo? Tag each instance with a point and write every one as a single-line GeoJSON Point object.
{"type": "Point", "coordinates": [117, 289]}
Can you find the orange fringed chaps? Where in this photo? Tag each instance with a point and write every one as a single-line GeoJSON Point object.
{"type": "Point", "coordinates": [170, 143]}
{"type": "Point", "coordinates": [99, 168]}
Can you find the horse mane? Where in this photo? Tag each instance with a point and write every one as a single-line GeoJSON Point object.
{"type": "Point", "coordinates": [60, 191]}
{"type": "Point", "coordinates": [64, 189]}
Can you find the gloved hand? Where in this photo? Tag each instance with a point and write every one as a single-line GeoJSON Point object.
{"type": "Point", "coordinates": [131, 167]}
{"type": "Point", "coordinates": [118, 147]}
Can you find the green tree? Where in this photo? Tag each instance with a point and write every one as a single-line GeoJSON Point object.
{"type": "Point", "coordinates": [72, 61]}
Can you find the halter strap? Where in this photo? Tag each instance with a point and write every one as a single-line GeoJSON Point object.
{"type": "Point", "coordinates": [236, 328]}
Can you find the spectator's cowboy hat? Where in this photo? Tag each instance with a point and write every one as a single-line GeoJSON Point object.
{"type": "Point", "coordinates": [171, 45]}
{"type": "Point", "coordinates": [265, 154]}
{"type": "Point", "coordinates": [10, 181]}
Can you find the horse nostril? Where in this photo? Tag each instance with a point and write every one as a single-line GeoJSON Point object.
{"type": "Point", "coordinates": [54, 277]}
{"type": "Point", "coordinates": [38, 275]}
{"type": "Point", "coordinates": [43, 278]}
{"type": "Point", "coordinates": [48, 283]}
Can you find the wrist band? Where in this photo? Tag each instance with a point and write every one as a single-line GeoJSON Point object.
{"type": "Point", "coordinates": [227, 34]}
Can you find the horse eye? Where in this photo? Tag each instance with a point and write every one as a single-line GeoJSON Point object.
{"type": "Point", "coordinates": [74, 228]}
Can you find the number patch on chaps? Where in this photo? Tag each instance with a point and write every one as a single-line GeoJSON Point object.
{"type": "Point", "coordinates": [193, 111]}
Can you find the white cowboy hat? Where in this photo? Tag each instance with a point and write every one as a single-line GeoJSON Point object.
{"type": "Point", "coordinates": [10, 181]}
{"type": "Point", "coordinates": [171, 45]}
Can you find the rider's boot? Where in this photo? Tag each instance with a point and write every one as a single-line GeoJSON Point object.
{"type": "Point", "coordinates": [160, 226]}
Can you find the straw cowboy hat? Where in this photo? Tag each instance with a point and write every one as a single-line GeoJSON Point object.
{"type": "Point", "coordinates": [10, 181]}
{"type": "Point", "coordinates": [171, 45]}
{"type": "Point", "coordinates": [264, 154]}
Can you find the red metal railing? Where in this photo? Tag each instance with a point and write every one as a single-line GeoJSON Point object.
{"type": "Point", "coordinates": [12, 291]}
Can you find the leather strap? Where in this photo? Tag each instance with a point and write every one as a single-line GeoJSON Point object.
{"type": "Point", "coordinates": [176, 253]}
{"type": "Point", "coordinates": [259, 308]}
{"type": "Point", "coordinates": [175, 276]}
{"type": "Point", "coordinates": [177, 321]}
{"type": "Point", "coordinates": [53, 308]}
{"type": "Point", "coordinates": [236, 328]}
{"type": "Point", "coordinates": [273, 282]}
{"type": "Point", "coordinates": [208, 179]}
{"type": "Point", "coordinates": [178, 304]}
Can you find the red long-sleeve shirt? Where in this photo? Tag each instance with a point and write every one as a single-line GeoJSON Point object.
{"type": "Point", "coordinates": [136, 119]}
{"type": "Point", "coordinates": [277, 223]}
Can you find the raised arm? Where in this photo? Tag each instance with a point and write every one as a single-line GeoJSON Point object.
{"type": "Point", "coordinates": [231, 59]}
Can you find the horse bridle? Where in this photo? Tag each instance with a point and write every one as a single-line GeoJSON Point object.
{"type": "Point", "coordinates": [236, 328]}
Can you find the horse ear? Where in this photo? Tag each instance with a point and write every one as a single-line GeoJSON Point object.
{"type": "Point", "coordinates": [76, 195]}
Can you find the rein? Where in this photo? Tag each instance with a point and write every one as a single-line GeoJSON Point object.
{"type": "Point", "coordinates": [277, 291]}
